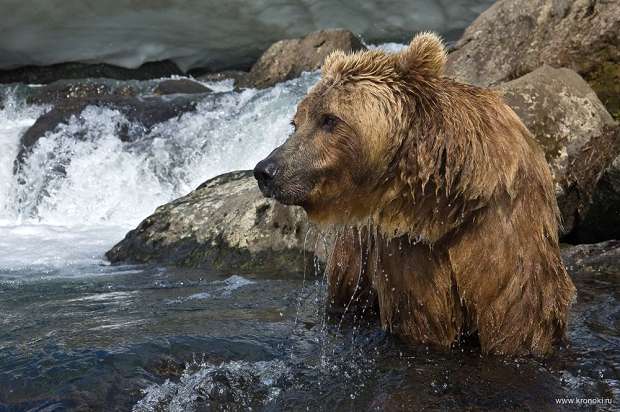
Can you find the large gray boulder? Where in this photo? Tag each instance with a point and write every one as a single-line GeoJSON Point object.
{"type": "Point", "coordinates": [560, 109]}
{"type": "Point", "coordinates": [514, 37]}
{"type": "Point", "coordinates": [579, 137]}
{"type": "Point", "coordinates": [226, 225]}
{"type": "Point", "coordinates": [287, 59]}
{"type": "Point", "coordinates": [61, 91]}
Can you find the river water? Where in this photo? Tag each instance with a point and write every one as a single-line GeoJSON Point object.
{"type": "Point", "coordinates": [77, 333]}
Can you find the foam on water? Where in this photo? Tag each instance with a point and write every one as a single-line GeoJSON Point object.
{"type": "Point", "coordinates": [37, 251]}
{"type": "Point", "coordinates": [15, 119]}
{"type": "Point", "coordinates": [217, 289]}
{"type": "Point", "coordinates": [81, 188]}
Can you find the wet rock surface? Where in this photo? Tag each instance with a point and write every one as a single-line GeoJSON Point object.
{"type": "Point", "coordinates": [52, 73]}
{"type": "Point", "coordinates": [227, 225]}
{"type": "Point", "coordinates": [601, 219]}
{"type": "Point", "coordinates": [579, 137]}
{"type": "Point", "coordinates": [237, 76]}
{"type": "Point", "coordinates": [582, 260]}
{"type": "Point", "coordinates": [287, 59]}
{"type": "Point", "coordinates": [180, 86]}
{"type": "Point", "coordinates": [62, 90]}
{"type": "Point", "coordinates": [513, 38]}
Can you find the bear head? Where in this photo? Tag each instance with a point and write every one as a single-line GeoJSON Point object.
{"type": "Point", "coordinates": [349, 129]}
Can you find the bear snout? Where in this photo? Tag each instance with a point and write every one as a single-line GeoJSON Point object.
{"type": "Point", "coordinates": [264, 172]}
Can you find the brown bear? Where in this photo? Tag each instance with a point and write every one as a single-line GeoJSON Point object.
{"type": "Point", "coordinates": [444, 201]}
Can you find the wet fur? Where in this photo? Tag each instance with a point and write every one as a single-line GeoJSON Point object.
{"type": "Point", "coordinates": [456, 195]}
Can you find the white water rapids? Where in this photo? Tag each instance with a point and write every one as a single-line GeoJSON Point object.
{"type": "Point", "coordinates": [82, 188]}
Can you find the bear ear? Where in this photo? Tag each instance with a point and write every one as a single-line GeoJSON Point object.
{"type": "Point", "coordinates": [426, 54]}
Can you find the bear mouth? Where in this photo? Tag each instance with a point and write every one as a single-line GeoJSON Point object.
{"type": "Point", "coordinates": [286, 194]}
{"type": "Point", "coordinates": [282, 185]}
{"type": "Point", "coordinates": [266, 190]}
{"type": "Point", "coordinates": [286, 197]}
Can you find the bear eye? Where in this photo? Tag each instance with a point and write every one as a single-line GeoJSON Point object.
{"type": "Point", "coordinates": [329, 122]}
{"type": "Point", "coordinates": [294, 124]}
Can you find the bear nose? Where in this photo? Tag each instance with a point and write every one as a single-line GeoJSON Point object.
{"type": "Point", "coordinates": [265, 171]}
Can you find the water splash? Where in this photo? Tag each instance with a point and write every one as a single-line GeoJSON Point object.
{"type": "Point", "coordinates": [235, 384]}
{"type": "Point", "coordinates": [15, 118]}
{"type": "Point", "coordinates": [315, 357]}
{"type": "Point", "coordinates": [233, 283]}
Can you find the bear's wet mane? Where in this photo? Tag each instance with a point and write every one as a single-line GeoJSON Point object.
{"type": "Point", "coordinates": [425, 57]}
{"type": "Point", "coordinates": [451, 142]}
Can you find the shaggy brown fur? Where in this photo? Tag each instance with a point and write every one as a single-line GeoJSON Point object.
{"type": "Point", "coordinates": [456, 195]}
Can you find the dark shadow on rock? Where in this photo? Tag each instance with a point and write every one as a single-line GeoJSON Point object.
{"type": "Point", "coordinates": [593, 190]}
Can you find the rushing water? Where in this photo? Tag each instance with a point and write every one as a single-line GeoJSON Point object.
{"type": "Point", "coordinates": [73, 198]}
{"type": "Point", "coordinates": [77, 333]}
